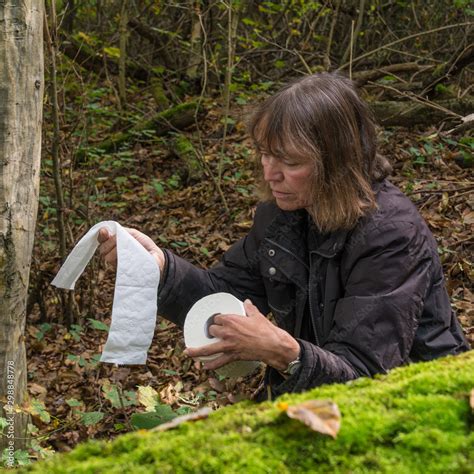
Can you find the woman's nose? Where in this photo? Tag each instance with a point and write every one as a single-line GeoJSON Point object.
{"type": "Point", "coordinates": [271, 170]}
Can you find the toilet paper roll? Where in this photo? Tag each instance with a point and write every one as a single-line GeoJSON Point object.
{"type": "Point", "coordinates": [196, 325]}
{"type": "Point", "coordinates": [135, 298]}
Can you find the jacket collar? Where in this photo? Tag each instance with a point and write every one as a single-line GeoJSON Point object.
{"type": "Point", "coordinates": [285, 246]}
{"type": "Point", "coordinates": [289, 230]}
{"type": "Point", "coordinates": [333, 245]}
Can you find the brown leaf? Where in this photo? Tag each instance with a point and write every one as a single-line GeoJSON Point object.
{"type": "Point", "coordinates": [217, 385]}
{"type": "Point", "coordinates": [471, 400]}
{"type": "Point", "coordinates": [37, 390]}
{"type": "Point", "coordinates": [197, 415]}
{"type": "Point", "coordinates": [322, 416]}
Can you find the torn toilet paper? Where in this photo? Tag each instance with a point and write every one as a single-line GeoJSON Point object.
{"type": "Point", "coordinates": [196, 326]}
{"type": "Point", "coordinates": [136, 290]}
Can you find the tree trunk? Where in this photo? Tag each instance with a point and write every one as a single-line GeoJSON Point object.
{"type": "Point", "coordinates": [192, 71]}
{"type": "Point", "coordinates": [21, 97]}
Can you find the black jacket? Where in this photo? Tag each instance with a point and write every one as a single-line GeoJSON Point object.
{"type": "Point", "coordinates": [359, 302]}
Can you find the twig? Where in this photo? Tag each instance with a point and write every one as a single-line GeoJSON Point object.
{"type": "Point", "coordinates": [291, 51]}
{"type": "Point", "coordinates": [331, 33]}
{"type": "Point", "coordinates": [231, 33]}
{"type": "Point", "coordinates": [354, 34]}
{"type": "Point", "coordinates": [51, 38]}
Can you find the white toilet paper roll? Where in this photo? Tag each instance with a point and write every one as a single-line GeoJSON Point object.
{"type": "Point", "coordinates": [135, 297]}
{"type": "Point", "coordinates": [196, 325]}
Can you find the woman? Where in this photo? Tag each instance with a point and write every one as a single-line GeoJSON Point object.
{"type": "Point", "coordinates": [338, 254]}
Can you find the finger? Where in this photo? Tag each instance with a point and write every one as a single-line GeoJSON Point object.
{"type": "Point", "coordinates": [103, 235]}
{"type": "Point", "coordinates": [202, 351]}
{"type": "Point", "coordinates": [223, 319]}
{"type": "Point", "coordinates": [215, 330]}
{"type": "Point", "coordinates": [109, 245]}
{"type": "Point", "coordinates": [251, 309]}
{"type": "Point", "coordinates": [111, 257]}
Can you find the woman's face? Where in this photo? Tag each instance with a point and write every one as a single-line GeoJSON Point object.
{"type": "Point", "coordinates": [289, 180]}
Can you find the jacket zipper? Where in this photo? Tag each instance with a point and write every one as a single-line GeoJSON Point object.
{"type": "Point", "coordinates": [311, 313]}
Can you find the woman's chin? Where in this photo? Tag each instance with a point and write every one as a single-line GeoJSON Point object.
{"type": "Point", "coordinates": [287, 205]}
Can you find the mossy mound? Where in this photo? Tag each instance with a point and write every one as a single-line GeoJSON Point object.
{"type": "Point", "coordinates": [417, 419]}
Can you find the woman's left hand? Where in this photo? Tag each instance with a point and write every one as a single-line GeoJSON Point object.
{"type": "Point", "coordinates": [248, 338]}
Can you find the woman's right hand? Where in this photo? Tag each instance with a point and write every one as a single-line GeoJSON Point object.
{"type": "Point", "coordinates": [108, 246]}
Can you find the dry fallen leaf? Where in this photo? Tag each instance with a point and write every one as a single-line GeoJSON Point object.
{"type": "Point", "coordinates": [37, 390]}
{"type": "Point", "coordinates": [148, 397]}
{"type": "Point", "coordinates": [471, 400]}
{"type": "Point", "coordinates": [322, 416]}
{"type": "Point", "coordinates": [197, 415]}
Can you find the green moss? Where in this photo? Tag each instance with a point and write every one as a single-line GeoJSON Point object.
{"type": "Point", "coordinates": [417, 419]}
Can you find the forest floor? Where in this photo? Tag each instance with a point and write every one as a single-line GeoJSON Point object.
{"type": "Point", "coordinates": [140, 187]}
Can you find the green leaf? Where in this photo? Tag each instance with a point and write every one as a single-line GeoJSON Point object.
{"type": "Point", "coordinates": [95, 324]}
{"type": "Point", "coordinates": [162, 414]}
{"type": "Point", "coordinates": [3, 423]}
{"type": "Point", "coordinates": [184, 410]}
{"type": "Point", "coordinates": [111, 393]}
{"type": "Point", "coordinates": [112, 52]}
{"type": "Point", "coordinates": [91, 417]}
{"type": "Point", "coordinates": [72, 402]}
{"type": "Point", "coordinates": [248, 21]}
{"type": "Point", "coordinates": [429, 148]}
{"type": "Point", "coordinates": [170, 372]}
{"type": "Point", "coordinates": [158, 187]}
{"type": "Point", "coordinates": [75, 331]}
{"type": "Point", "coordinates": [38, 408]}
{"type": "Point", "coordinates": [22, 457]}
{"type": "Point", "coordinates": [42, 330]}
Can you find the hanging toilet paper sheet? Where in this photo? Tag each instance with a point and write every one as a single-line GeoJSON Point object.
{"type": "Point", "coordinates": [135, 298]}
{"type": "Point", "coordinates": [197, 323]}
{"type": "Point", "coordinates": [135, 302]}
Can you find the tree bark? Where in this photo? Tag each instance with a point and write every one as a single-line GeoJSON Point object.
{"type": "Point", "coordinates": [21, 97]}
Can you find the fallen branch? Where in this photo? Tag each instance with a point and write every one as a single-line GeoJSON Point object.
{"type": "Point", "coordinates": [88, 58]}
{"type": "Point", "coordinates": [407, 114]}
{"type": "Point", "coordinates": [176, 118]}
{"type": "Point", "coordinates": [362, 77]}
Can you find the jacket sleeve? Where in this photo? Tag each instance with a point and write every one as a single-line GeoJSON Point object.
{"type": "Point", "coordinates": [236, 273]}
{"type": "Point", "coordinates": [387, 273]}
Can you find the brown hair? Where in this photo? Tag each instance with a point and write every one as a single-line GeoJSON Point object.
{"type": "Point", "coordinates": [321, 118]}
